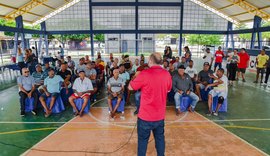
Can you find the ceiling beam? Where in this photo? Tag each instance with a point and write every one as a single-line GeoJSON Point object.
{"type": "Point", "coordinates": [248, 20]}
{"type": "Point", "coordinates": [242, 13]}
{"type": "Point", "coordinates": [207, 1]}
{"type": "Point", "coordinates": [52, 8]}
{"type": "Point", "coordinates": [251, 8]}
{"type": "Point", "coordinates": [10, 7]}
{"type": "Point", "coordinates": [24, 9]}
{"type": "Point", "coordinates": [227, 6]}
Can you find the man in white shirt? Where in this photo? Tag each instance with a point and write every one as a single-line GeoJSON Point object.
{"type": "Point", "coordinates": [82, 88]}
{"type": "Point", "coordinates": [220, 89]}
{"type": "Point", "coordinates": [208, 57]}
{"type": "Point", "coordinates": [191, 71]}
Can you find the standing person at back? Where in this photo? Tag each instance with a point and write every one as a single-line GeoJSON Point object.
{"type": "Point", "coordinates": [154, 84]}
{"type": "Point", "coordinates": [208, 57]}
{"type": "Point", "coordinates": [243, 64]}
{"type": "Point", "coordinates": [218, 58]}
{"type": "Point", "coordinates": [261, 62]}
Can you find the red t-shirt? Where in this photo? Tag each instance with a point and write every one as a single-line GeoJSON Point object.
{"type": "Point", "coordinates": [154, 84]}
{"type": "Point", "coordinates": [244, 58]}
{"type": "Point", "coordinates": [219, 56]}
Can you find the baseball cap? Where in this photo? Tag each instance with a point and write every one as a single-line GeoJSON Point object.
{"type": "Point", "coordinates": [206, 63]}
{"type": "Point", "coordinates": [181, 67]}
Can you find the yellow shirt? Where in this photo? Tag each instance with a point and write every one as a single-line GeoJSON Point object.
{"type": "Point", "coordinates": [262, 59]}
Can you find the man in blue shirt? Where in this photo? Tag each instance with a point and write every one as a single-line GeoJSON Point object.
{"type": "Point", "coordinates": [51, 88]}
{"type": "Point", "coordinates": [27, 90]}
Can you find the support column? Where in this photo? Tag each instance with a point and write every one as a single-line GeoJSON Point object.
{"type": "Point", "coordinates": [229, 36]}
{"type": "Point", "coordinates": [91, 28]}
{"type": "Point", "coordinates": [181, 28]}
{"type": "Point", "coordinates": [19, 25]}
{"type": "Point", "coordinates": [43, 28]}
{"type": "Point", "coordinates": [256, 24]}
{"type": "Point", "coordinates": [136, 28]}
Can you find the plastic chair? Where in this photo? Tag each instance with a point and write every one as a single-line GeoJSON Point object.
{"type": "Point", "coordinates": [185, 102]}
{"type": "Point", "coordinates": [121, 107]}
{"type": "Point", "coordinates": [29, 104]}
{"type": "Point", "coordinates": [58, 106]}
{"type": "Point", "coordinates": [79, 102]}
{"type": "Point", "coordinates": [224, 106]}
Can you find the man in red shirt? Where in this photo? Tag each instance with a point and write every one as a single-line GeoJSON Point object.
{"type": "Point", "coordinates": [243, 64]}
{"type": "Point", "coordinates": [219, 56]}
{"type": "Point", "coordinates": [154, 84]}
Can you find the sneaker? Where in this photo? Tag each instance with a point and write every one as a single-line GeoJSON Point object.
{"type": "Point", "coordinates": [22, 113]}
{"type": "Point", "coordinates": [261, 82]}
{"type": "Point", "coordinates": [255, 82]}
{"type": "Point", "coordinates": [209, 114]}
{"type": "Point", "coordinates": [244, 80]}
{"type": "Point", "coordinates": [34, 112]}
{"type": "Point", "coordinates": [215, 114]}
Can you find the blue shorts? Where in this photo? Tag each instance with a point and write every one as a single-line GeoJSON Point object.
{"type": "Point", "coordinates": [218, 64]}
{"type": "Point", "coordinates": [52, 95]}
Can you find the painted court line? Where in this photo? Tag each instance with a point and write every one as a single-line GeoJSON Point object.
{"type": "Point", "coordinates": [94, 122]}
{"type": "Point", "coordinates": [26, 152]}
{"type": "Point", "coordinates": [234, 135]}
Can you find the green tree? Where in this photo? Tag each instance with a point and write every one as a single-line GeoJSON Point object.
{"type": "Point", "coordinates": [246, 36]}
{"type": "Point", "coordinates": [99, 37]}
{"type": "Point", "coordinates": [195, 39]}
{"type": "Point", "coordinates": [266, 35]}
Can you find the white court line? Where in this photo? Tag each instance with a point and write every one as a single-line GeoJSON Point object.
{"type": "Point", "coordinates": [262, 152]}
{"type": "Point", "coordinates": [116, 123]}
{"type": "Point", "coordinates": [33, 147]}
{"type": "Point", "coordinates": [91, 122]}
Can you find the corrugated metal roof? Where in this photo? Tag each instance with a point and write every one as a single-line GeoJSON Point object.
{"type": "Point", "coordinates": [231, 8]}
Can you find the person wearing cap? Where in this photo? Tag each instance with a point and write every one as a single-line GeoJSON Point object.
{"type": "Point", "coordinates": [219, 55]}
{"type": "Point", "coordinates": [115, 90]}
{"type": "Point", "coordinates": [82, 88]}
{"type": "Point", "coordinates": [27, 89]}
{"type": "Point", "coordinates": [127, 64]}
{"type": "Point", "coordinates": [183, 86]}
{"type": "Point", "coordinates": [52, 85]}
{"type": "Point", "coordinates": [66, 75]}
{"type": "Point", "coordinates": [38, 75]}
{"type": "Point", "coordinates": [203, 79]}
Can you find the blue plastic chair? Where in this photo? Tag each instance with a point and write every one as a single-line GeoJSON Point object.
{"type": "Point", "coordinates": [79, 102]}
{"type": "Point", "coordinates": [29, 104]}
{"type": "Point", "coordinates": [185, 102]}
{"type": "Point", "coordinates": [224, 106]}
{"type": "Point", "coordinates": [121, 107]}
{"type": "Point", "coordinates": [58, 106]}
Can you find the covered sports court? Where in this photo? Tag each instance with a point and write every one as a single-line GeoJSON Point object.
{"type": "Point", "coordinates": [134, 27]}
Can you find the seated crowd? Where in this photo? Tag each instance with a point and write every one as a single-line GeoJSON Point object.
{"type": "Point", "coordinates": [86, 79]}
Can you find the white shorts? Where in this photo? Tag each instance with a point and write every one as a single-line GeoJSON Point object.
{"type": "Point", "coordinates": [201, 86]}
{"type": "Point", "coordinates": [215, 93]}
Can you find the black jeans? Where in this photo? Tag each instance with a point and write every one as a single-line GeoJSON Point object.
{"type": "Point", "coordinates": [21, 66]}
{"type": "Point", "coordinates": [232, 71]}
{"type": "Point", "coordinates": [24, 96]}
{"type": "Point", "coordinates": [267, 74]}
{"type": "Point", "coordinates": [144, 129]}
